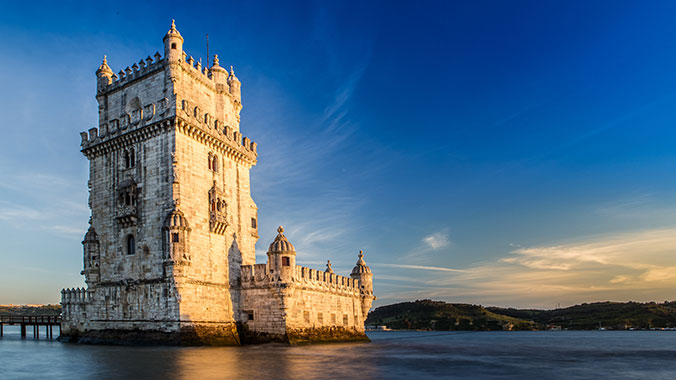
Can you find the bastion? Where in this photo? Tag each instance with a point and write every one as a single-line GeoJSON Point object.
{"type": "Point", "coordinates": [169, 257]}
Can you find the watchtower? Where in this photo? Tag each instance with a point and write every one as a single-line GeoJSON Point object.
{"type": "Point", "coordinates": [172, 218]}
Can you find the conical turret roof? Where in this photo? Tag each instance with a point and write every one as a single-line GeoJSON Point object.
{"type": "Point", "coordinates": [104, 69]}
{"type": "Point", "coordinates": [281, 244]}
{"type": "Point", "coordinates": [173, 32]}
{"type": "Point", "coordinates": [361, 266]}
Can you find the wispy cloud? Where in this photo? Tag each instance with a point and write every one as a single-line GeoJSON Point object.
{"type": "Point", "coordinates": [437, 240]}
{"type": "Point", "coordinates": [638, 265]}
{"type": "Point", "coordinates": [420, 267]}
{"type": "Point", "coordinates": [13, 212]}
{"type": "Point", "coordinates": [304, 169]}
{"type": "Point", "coordinates": [62, 209]}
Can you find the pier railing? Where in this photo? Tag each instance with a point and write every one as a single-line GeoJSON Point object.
{"type": "Point", "coordinates": [49, 321]}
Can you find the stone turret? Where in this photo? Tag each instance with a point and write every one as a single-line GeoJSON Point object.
{"type": "Point", "coordinates": [173, 44]}
{"type": "Point", "coordinates": [218, 73]}
{"type": "Point", "coordinates": [363, 273]}
{"type": "Point", "coordinates": [104, 75]}
{"type": "Point", "coordinates": [92, 258]}
{"type": "Point", "coordinates": [235, 85]}
{"type": "Point", "coordinates": [175, 242]}
{"type": "Point", "coordinates": [281, 257]}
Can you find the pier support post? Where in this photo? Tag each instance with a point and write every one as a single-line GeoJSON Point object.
{"type": "Point", "coordinates": [1, 332]}
{"type": "Point", "coordinates": [23, 331]}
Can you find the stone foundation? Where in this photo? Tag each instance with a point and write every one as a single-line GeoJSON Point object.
{"type": "Point", "coordinates": [224, 334]}
{"type": "Point", "coordinates": [304, 336]}
{"type": "Point", "coordinates": [326, 335]}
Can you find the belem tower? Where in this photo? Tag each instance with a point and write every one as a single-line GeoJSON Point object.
{"type": "Point", "coordinates": [169, 256]}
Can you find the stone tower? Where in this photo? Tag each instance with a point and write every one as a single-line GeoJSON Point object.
{"type": "Point", "coordinates": [169, 256]}
{"type": "Point", "coordinates": [172, 218]}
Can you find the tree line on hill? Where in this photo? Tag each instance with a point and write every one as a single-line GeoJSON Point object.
{"type": "Point", "coordinates": [442, 316]}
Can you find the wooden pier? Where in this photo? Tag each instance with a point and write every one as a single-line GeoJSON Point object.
{"type": "Point", "coordinates": [33, 321]}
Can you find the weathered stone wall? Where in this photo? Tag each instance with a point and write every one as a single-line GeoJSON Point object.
{"type": "Point", "coordinates": [169, 167]}
{"type": "Point", "coordinates": [312, 306]}
{"type": "Point", "coordinates": [205, 96]}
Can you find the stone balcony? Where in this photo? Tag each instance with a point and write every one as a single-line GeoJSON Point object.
{"type": "Point", "coordinates": [126, 215]}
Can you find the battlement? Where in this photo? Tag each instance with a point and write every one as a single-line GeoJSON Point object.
{"type": "Point", "coordinates": [202, 101]}
{"type": "Point", "coordinates": [75, 296]}
{"type": "Point", "coordinates": [259, 275]}
{"type": "Point", "coordinates": [133, 73]}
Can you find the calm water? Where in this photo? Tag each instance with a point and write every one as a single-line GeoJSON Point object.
{"type": "Point", "coordinates": [392, 355]}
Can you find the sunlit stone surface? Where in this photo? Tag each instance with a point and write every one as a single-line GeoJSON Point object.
{"type": "Point", "coordinates": [169, 256]}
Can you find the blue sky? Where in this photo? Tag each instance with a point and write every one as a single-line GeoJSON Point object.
{"type": "Point", "coordinates": [505, 153]}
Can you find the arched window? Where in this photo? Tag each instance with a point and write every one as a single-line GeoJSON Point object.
{"type": "Point", "coordinates": [132, 158]}
{"type": "Point", "coordinates": [127, 161]}
{"type": "Point", "coordinates": [214, 165]}
{"type": "Point", "coordinates": [173, 45]}
{"type": "Point", "coordinates": [131, 244]}
{"type": "Point", "coordinates": [211, 161]}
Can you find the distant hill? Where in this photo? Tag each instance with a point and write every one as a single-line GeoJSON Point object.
{"type": "Point", "coordinates": [611, 315]}
{"type": "Point", "coordinates": [27, 310]}
{"type": "Point", "coordinates": [442, 316]}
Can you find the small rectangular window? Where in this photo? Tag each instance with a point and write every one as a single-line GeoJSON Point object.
{"type": "Point", "coordinates": [306, 316]}
{"type": "Point", "coordinates": [285, 261]}
{"type": "Point", "coordinates": [345, 321]}
{"type": "Point", "coordinates": [333, 319]}
{"type": "Point", "coordinates": [249, 315]}
{"type": "Point", "coordinates": [320, 317]}
{"type": "Point", "coordinates": [253, 222]}
{"type": "Point", "coordinates": [174, 237]}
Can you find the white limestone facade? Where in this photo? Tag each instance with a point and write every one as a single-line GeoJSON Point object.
{"type": "Point", "coordinates": [169, 256]}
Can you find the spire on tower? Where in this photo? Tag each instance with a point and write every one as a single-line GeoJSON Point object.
{"type": "Point", "coordinates": [173, 32]}
{"type": "Point", "coordinates": [173, 44]}
{"type": "Point", "coordinates": [104, 69]}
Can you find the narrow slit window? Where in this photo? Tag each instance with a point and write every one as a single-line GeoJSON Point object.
{"type": "Point", "coordinates": [131, 245]}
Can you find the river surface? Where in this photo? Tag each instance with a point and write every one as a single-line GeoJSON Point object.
{"type": "Point", "coordinates": [391, 355]}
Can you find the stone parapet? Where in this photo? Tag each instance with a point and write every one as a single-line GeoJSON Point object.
{"type": "Point", "coordinates": [230, 143]}
{"type": "Point", "coordinates": [134, 73]}
{"type": "Point", "coordinates": [75, 296]}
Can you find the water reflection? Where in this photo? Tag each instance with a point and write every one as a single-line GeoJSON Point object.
{"type": "Point", "coordinates": [396, 355]}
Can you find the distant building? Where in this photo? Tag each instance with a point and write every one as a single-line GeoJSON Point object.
{"type": "Point", "coordinates": [169, 255]}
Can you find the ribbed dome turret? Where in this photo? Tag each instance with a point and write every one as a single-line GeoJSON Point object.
{"type": "Point", "coordinates": [281, 244]}
{"type": "Point", "coordinates": [91, 235]}
{"type": "Point", "coordinates": [104, 69]}
{"type": "Point", "coordinates": [173, 32]}
{"type": "Point", "coordinates": [361, 267]}
{"type": "Point", "coordinates": [176, 220]}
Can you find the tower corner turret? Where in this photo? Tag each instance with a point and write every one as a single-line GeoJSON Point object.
{"type": "Point", "coordinates": [173, 44]}
{"type": "Point", "coordinates": [281, 257]}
